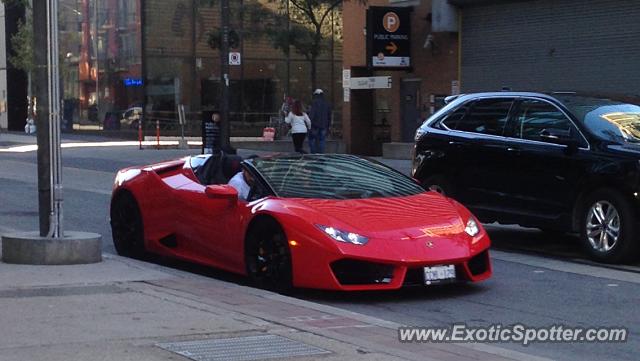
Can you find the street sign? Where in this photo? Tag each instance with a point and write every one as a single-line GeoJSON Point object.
{"type": "Point", "coordinates": [455, 87]}
{"type": "Point", "coordinates": [346, 78]}
{"type": "Point", "coordinates": [235, 58]}
{"type": "Point", "coordinates": [372, 82]}
{"type": "Point", "coordinates": [388, 37]}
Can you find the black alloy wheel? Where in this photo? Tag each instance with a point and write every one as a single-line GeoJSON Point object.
{"type": "Point", "coordinates": [608, 228]}
{"type": "Point", "coordinates": [268, 258]}
{"type": "Point", "coordinates": [126, 226]}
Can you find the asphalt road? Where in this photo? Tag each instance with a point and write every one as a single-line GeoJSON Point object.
{"type": "Point", "coordinates": [559, 288]}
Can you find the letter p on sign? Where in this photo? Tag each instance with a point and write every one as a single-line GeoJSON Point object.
{"type": "Point", "coordinates": [391, 22]}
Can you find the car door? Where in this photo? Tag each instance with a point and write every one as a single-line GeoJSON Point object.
{"type": "Point", "coordinates": [437, 153]}
{"type": "Point", "coordinates": [548, 154]}
{"type": "Point", "coordinates": [207, 224]}
{"type": "Point", "coordinates": [482, 161]}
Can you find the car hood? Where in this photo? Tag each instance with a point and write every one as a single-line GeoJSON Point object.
{"type": "Point", "coordinates": [629, 148]}
{"type": "Point", "coordinates": [425, 214]}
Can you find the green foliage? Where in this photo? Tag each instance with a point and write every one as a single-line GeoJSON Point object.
{"type": "Point", "coordinates": [22, 43]}
{"type": "Point", "coordinates": [307, 30]}
{"type": "Point", "coordinates": [298, 37]}
{"type": "Point", "coordinates": [10, 3]}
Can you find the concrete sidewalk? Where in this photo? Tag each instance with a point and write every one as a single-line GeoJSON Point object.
{"type": "Point", "coordinates": [124, 309]}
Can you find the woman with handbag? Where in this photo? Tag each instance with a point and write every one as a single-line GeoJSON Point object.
{"type": "Point", "coordinates": [300, 123]}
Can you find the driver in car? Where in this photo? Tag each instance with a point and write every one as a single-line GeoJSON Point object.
{"type": "Point", "coordinates": [242, 182]}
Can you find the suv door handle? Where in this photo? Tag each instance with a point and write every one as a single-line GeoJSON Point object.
{"type": "Point", "coordinates": [453, 142]}
{"type": "Point", "coordinates": [513, 149]}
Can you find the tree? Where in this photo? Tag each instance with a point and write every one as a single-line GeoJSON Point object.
{"type": "Point", "coordinates": [308, 19]}
{"type": "Point", "coordinates": [22, 44]}
{"type": "Point", "coordinates": [308, 26]}
{"type": "Point", "coordinates": [21, 40]}
{"type": "Point", "coordinates": [21, 56]}
{"type": "Point", "coordinates": [15, 2]}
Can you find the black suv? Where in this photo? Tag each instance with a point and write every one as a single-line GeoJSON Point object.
{"type": "Point", "coordinates": [559, 162]}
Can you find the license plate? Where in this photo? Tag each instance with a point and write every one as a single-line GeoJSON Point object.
{"type": "Point", "coordinates": [438, 274]}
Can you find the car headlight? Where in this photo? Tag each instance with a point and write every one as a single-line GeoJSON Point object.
{"type": "Point", "coordinates": [343, 236]}
{"type": "Point", "coordinates": [472, 228]}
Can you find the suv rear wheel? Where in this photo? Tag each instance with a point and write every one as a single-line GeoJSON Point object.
{"type": "Point", "coordinates": [438, 183]}
{"type": "Point", "coordinates": [608, 227]}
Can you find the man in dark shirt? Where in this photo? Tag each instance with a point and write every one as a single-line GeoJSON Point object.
{"type": "Point", "coordinates": [212, 130]}
{"type": "Point", "coordinates": [320, 115]}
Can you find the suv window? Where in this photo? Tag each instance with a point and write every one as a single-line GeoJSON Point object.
{"type": "Point", "coordinates": [452, 120]}
{"type": "Point", "coordinates": [485, 116]}
{"type": "Point", "coordinates": [534, 117]}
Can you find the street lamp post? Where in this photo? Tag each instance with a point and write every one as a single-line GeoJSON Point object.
{"type": "Point", "coordinates": [224, 79]}
{"type": "Point", "coordinates": [40, 34]}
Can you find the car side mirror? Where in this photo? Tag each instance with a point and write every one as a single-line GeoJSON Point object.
{"type": "Point", "coordinates": [217, 191]}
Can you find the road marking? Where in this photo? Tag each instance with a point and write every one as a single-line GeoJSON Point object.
{"type": "Point", "coordinates": [612, 285]}
{"type": "Point", "coordinates": [568, 267]}
{"type": "Point", "coordinates": [34, 147]}
{"type": "Point", "coordinates": [538, 271]}
{"type": "Point", "coordinates": [345, 326]}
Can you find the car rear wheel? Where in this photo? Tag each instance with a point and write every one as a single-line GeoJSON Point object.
{"type": "Point", "coordinates": [268, 258]}
{"type": "Point", "coordinates": [126, 226]}
{"type": "Point", "coordinates": [438, 184]}
{"type": "Point", "coordinates": [609, 227]}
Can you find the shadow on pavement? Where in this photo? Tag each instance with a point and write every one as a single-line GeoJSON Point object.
{"type": "Point", "coordinates": [557, 245]}
{"type": "Point", "coordinates": [534, 240]}
{"type": "Point", "coordinates": [424, 293]}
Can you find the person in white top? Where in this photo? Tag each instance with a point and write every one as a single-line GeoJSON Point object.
{"type": "Point", "coordinates": [242, 182]}
{"type": "Point", "coordinates": [300, 123]}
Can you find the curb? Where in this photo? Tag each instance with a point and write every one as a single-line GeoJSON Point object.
{"type": "Point", "coordinates": [30, 248]}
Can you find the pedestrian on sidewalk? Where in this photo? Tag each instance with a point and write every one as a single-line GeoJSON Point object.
{"type": "Point", "coordinates": [212, 130]}
{"type": "Point", "coordinates": [320, 115]}
{"type": "Point", "coordinates": [300, 123]}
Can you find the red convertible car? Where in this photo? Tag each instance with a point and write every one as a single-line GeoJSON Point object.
{"type": "Point", "coordinates": [337, 222]}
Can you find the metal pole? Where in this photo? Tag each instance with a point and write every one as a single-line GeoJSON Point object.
{"type": "Point", "coordinates": [53, 72]}
{"type": "Point", "coordinates": [288, 83]}
{"type": "Point", "coordinates": [95, 47]}
{"type": "Point", "coordinates": [224, 79]}
{"type": "Point", "coordinates": [242, 107]}
{"type": "Point", "coordinates": [183, 144]}
{"type": "Point", "coordinates": [40, 23]}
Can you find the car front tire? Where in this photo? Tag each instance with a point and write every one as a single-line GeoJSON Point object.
{"type": "Point", "coordinates": [268, 258]}
{"type": "Point", "coordinates": [608, 227]}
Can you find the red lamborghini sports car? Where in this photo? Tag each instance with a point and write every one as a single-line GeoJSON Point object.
{"type": "Point", "coordinates": [336, 222]}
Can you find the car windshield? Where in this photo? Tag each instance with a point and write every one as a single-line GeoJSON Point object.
{"type": "Point", "coordinates": [333, 177]}
{"type": "Point", "coordinates": [607, 119]}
